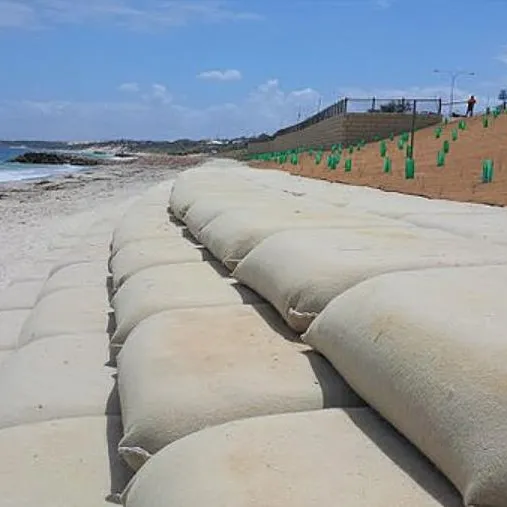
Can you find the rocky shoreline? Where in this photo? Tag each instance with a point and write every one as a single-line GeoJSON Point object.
{"type": "Point", "coordinates": [51, 158]}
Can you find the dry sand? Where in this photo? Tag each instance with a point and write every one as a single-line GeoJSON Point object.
{"type": "Point", "coordinates": [34, 213]}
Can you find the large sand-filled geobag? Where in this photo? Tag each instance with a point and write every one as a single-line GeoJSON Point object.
{"type": "Point", "coordinates": [206, 209]}
{"type": "Point", "coordinates": [232, 235]}
{"type": "Point", "coordinates": [397, 205]}
{"type": "Point", "coordinates": [64, 463]}
{"type": "Point", "coordinates": [11, 323]}
{"type": "Point", "coordinates": [21, 295]}
{"type": "Point", "coordinates": [300, 272]}
{"type": "Point", "coordinates": [68, 311]}
{"type": "Point", "coordinates": [147, 253]}
{"type": "Point", "coordinates": [62, 376]}
{"type": "Point", "coordinates": [144, 222]}
{"type": "Point", "coordinates": [95, 248]}
{"type": "Point", "coordinates": [187, 190]}
{"type": "Point", "coordinates": [174, 286]}
{"type": "Point", "coordinates": [427, 349]}
{"type": "Point", "coordinates": [326, 458]}
{"type": "Point", "coordinates": [488, 224]}
{"type": "Point", "coordinates": [82, 274]}
{"type": "Point", "coordinates": [183, 370]}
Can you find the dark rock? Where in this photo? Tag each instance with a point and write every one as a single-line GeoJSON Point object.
{"type": "Point", "coordinates": [48, 158]}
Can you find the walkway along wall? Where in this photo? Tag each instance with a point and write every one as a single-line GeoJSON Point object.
{"type": "Point", "coordinates": [346, 129]}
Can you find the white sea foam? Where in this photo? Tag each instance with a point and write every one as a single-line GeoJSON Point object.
{"type": "Point", "coordinates": [18, 172]}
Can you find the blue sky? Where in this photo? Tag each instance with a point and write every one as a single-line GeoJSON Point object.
{"type": "Point", "coordinates": [162, 69]}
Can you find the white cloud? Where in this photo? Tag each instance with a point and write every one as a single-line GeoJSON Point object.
{"type": "Point", "coordinates": [17, 15]}
{"type": "Point", "coordinates": [129, 87]}
{"type": "Point", "coordinates": [159, 93]}
{"type": "Point", "coordinates": [502, 57]}
{"type": "Point", "coordinates": [154, 115]}
{"type": "Point", "coordinates": [152, 15]}
{"type": "Point", "coordinates": [221, 75]}
{"type": "Point", "coordinates": [383, 4]}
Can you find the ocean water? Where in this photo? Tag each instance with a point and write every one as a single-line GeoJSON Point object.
{"type": "Point", "coordinates": [19, 172]}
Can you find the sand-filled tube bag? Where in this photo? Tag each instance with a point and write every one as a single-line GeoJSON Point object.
{"type": "Point", "coordinates": [144, 222]}
{"type": "Point", "coordinates": [232, 235]}
{"type": "Point", "coordinates": [183, 370]}
{"type": "Point", "coordinates": [325, 458]}
{"type": "Point", "coordinates": [188, 189]}
{"type": "Point", "coordinates": [206, 209]}
{"type": "Point", "coordinates": [427, 349]}
{"type": "Point", "coordinates": [173, 286]}
{"type": "Point", "coordinates": [147, 253]}
{"type": "Point", "coordinates": [300, 272]}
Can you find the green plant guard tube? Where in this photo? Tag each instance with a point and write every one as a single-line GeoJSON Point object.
{"type": "Point", "coordinates": [383, 149]}
{"type": "Point", "coordinates": [391, 136]}
{"type": "Point", "coordinates": [462, 125]}
{"type": "Point", "coordinates": [454, 135]}
{"type": "Point", "coordinates": [410, 151]}
{"type": "Point", "coordinates": [409, 169]}
{"type": "Point", "coordinates": [318, 158]}
{"type": "Point", "coordinates": [438, 133]}
{"type": "Point", "coordinates": [348, 165]}
{"type": "Point", "coordinates": [440, 159]}
{"type": "Point", "coordinates": [387, 165]}
{"type": "Point", "coordinates": [487, 171]}
{"type": "Point", "coordinates": [405, 137]}
{"type": "Point", "coordinates": [351, 149]}
{"type": "Point", "coordinates": [446, 146]}
{"type": "Point", "coordinates": [294, 159]}
{"type": "Point", "coordinates": [485, 122]}
{"type": "Point", "coordinates": [401, 143]}
{"type": "Point", "coordinates": [446, 121]}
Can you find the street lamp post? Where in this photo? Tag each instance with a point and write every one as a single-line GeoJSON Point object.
{"type": "Point", "coordinates": [454, 76]}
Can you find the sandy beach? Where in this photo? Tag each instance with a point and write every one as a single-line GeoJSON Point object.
{"type": "Point", "coordinates": [34, 213]}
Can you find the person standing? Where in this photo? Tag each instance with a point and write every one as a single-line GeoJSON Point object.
{"type": "Point", "coordinates": [470, 106]}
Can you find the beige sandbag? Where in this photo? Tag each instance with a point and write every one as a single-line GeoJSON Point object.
{"type": "Point", "coordinates": [143, 223]}
{"type": "Point", "coordinates": [489, 224]}
{"type": "Point", "coordinates": [206, 209]}
{"type": "Point", "coordinates": [68, 311]}
{"type": "Point", "coordinates": [21, 295]}
{"type": "Point", "coordinates": [188, 190]}
{"type": "Point", "coordinates": [174, 286]}
{"type": "Point", "coordinates": [82, 274]}
{"type": "Point", "coordinates": [93, 248]}
{"type": "Point", "coordinates": [232, 235]}
{"type": "Point", "coordinates": [183, 370]}
{"type": "Point", "coordinates": [431, 348]}
{"type": "Point", "coordinates": [61, 376]}
{"type": "Point", "coordinates": [157, 194]}
{"type": "Point", "coordinates": [300, 272]}
{"type": "Point", "coordinates": [11, 323]}
{"type": "Point", "coordinates": [64, 463]}
{"type": "Point", "coordinates": [147, 253]}
{"type": "Point", "coordinates": [325, 458]}
{"type": "Point", "coordinates": [4, 354]}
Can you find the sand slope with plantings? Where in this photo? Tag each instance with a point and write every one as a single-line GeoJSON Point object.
{"type": "Point", "coordinates": [449, 162]}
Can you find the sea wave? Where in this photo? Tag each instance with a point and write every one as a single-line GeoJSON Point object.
{"type": "Point", "coordinates": [21, 172]}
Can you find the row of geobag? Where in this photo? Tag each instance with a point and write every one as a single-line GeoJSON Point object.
{"type": "Point", "coordinates": [59, 413]}
{"type": "Point", "coordinates": [197, 350]}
